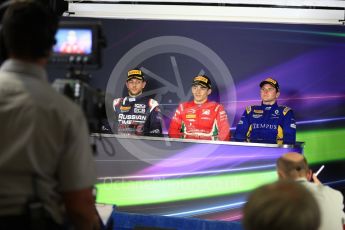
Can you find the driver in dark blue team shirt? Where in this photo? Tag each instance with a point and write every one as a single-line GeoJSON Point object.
{"type": "Point", "coordinates": [137, 114]}
{"type": "Point", "coordinates": [268, 122]}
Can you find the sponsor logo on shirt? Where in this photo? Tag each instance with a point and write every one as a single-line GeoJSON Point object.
{"type": "Point", "coordinates": [155, 131]}
{"type": "Point", "coordinates": [276, 114]}
{"type": "Point", "coordinates": [206, 112]}
{"type": "Point", "coordinates": [126, 122]}
{"type": "Point", "coordinates": [257, 115]}
{"type": "Point", "coordinates": [264, 126]}
{"type": "Point", "coordinates": [140, 106]}
{"type": "Point", "coordinates": [190, 116]}
{"type": "Point", "coordinates": [258, 111]}
{"type": "Point", "coordinates": [142, 111]}
{"type": "Point", "coordinates": [293, 126]}
{"type": "Point", "coordinates": [125, 108]}
{"type": "Point", "coordinates": [132, 117]}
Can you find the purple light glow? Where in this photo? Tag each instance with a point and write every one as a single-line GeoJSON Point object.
{"type": "Point", "coordinates": [303, 80]}
{"type": "Point", "coordinates": [153, 176]}
{"type": "Point", "coordinates": [308, 99]}
{"type": "Point", "coordinates": [231, 215]}
{"type": "Point", "coordinates": [232, 218]}
{"type": "Point", "coordinates": [313, 66]}
{"type": "Point", "coordinates": [200, 158]}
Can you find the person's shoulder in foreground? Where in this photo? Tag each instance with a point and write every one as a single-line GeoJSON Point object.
{"type": "Point", "coordinates": [46, 146]}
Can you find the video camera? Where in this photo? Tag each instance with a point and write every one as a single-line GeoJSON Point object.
{"type": "Point", "coordinates": [78, 49]}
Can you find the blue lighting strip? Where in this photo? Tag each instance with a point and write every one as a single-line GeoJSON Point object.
{"type": "Point", "coordinates": [321, 121]}
{"type": "Point", "coordinates": [337, 182]}
{"type": "Point", "coordinates": [208, 210]}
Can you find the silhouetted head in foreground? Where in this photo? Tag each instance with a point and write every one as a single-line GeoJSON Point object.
{"type": "Point", "coordinates": [283, 205]}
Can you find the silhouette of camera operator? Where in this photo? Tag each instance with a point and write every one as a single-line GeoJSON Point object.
{"type": "Point", "coordinates": [46, 166]}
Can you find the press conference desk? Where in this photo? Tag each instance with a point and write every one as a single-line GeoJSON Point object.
{"type": "Point", "coordinates": [180, 177]}
{"type": "Point", "coordinates": [121, 155]}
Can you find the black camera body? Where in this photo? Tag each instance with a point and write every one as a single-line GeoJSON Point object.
{"type": "Point", "coordinates": [78, 49]}
{"type": "Point", "coordinates": [90, 100]}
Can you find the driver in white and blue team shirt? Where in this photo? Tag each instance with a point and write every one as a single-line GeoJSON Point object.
{"type": "Point", "coordinates": [268, 122]}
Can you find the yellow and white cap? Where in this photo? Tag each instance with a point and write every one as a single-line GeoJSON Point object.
{"type": "Point", "coordinates": [135, 73]}
{"type": "Point", "coordinates": [270, 81]}
{"type": "Point", "coordinates": [202, 80]}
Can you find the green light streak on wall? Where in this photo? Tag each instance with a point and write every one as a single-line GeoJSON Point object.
{"type": "Point", "coordinates": [331, 34]}
{"type": "Point", "coordinates": [157, 191]}
{"type": "Point", "coordinates": [323, 145]}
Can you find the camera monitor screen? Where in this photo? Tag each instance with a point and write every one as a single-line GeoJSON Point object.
{"type": "Point", "coordinates": [77, 44]}
{"type": "Point", "coordinates": [73, 41]}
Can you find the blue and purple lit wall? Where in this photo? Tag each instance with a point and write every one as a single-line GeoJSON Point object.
{"type": "Point", "coordinates": [307, 60]}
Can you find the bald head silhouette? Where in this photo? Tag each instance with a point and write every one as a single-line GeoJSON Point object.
{"type": "Point", "coordinates": [293, 166]}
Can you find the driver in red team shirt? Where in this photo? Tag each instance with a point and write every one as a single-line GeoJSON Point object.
{"type": "Point", "coordinates": [200, 118]}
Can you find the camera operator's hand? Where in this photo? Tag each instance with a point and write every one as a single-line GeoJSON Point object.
{"type": "Point", "coordinates": [81, 210]}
